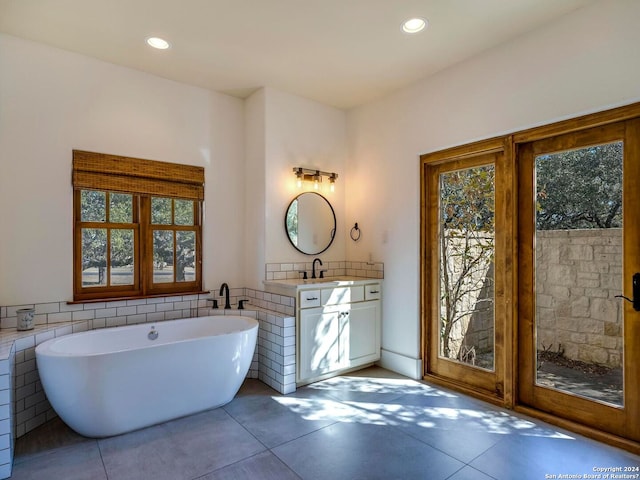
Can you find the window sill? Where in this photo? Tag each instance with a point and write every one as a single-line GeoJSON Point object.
{"type": "Point", "coordinates": [138, 297]}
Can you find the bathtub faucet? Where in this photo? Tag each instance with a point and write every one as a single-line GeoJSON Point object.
{"type": "Point", "coordinates": [225, 288]}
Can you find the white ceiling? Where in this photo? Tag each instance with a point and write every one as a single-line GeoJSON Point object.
{"type": "Point", "coordinates": [340, 52]}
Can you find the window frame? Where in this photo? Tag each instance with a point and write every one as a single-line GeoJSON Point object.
{"type": "Point", "coordinates": [174, 287]}
{"type": "Point", "coordinates": [143, 179]}
{"type": "Point", "coordinates": [108, 291]}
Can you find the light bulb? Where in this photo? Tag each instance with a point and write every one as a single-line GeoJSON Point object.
{"type": "Point", "coordinates": [159, 43]}
{"type": "Point", "coordinates": [299, 177]}
{"type": "Point", "coordinates": [414, 25]}
{"type": "Point", "coordinates": [332, 182]}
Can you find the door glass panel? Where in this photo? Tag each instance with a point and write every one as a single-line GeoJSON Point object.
{"type": "Point", "coordinates": [466, 237]}
{"type": "Point", "coordinates": [578, 271]}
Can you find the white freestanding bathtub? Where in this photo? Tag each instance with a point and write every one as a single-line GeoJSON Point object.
{"type": "Point", "coordinates": [115, 380]}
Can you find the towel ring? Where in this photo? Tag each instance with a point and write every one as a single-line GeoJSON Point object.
{"type": "Point", "coordinates": [355, 233]}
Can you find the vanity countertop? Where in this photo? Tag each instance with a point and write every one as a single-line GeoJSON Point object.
{"type": "Point", "coordinates": [291, 286]}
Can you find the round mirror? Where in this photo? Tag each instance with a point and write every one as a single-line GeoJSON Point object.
{"type": "Point", "coordinates": [310, 223]}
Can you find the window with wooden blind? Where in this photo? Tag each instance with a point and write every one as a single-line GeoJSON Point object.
{"type": "Point", "coordinates": [137, 227]}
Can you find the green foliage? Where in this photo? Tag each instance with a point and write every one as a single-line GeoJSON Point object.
{"type": "Point", "coordinates": [94, 240]}
{"type": "Point", "coordinates": [183, 212]}
{"type": "Point", "coordinates": [161, 211]}
{"type": "Point", "coordinates": [580, 188]}
{"type": "Point", "coordinates": [121, 247]}
{"type": "Point", "coordinates": [94, 247]}
{"type": "Point", "coordinates": [120, 208]}
{"type": "Point", "coordinates": [467, 199]}
{"type": "Point", "coordinates": [93, 206]}
{"type": "Point", "coordinates": [164, 211]}
{"type": "Point", "coordinates": [292, 222]}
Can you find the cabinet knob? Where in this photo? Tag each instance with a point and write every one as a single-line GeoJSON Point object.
{"type": "Point", "coordinates": [312, 298]}
{"type": "Point", "coordinates": [374, 291]}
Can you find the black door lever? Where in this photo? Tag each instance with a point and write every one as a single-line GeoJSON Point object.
{"type": "Point", "coordinates": [636, 293]}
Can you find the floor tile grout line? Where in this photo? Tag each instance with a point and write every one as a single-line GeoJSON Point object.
{"type": "Point", "coordinates": [237, 462]}
{"type": "Point", "coordinates": [245, 428]}
{"type": "Point", "coordinates": [408, 434]}
{"type": "Point", "coordinates": [467, 465]}
{"type": "Point", "coordinates": [104, 466]}
{"type": "Point", "coordinates": [285, 463]}
{"type": "Point", "coordinates": [266, 448]}
{"type": "Point", "coordinates": [285, 442]}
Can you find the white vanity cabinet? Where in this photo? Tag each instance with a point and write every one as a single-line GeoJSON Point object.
{"type": "Point", "coordinates": [338, 329]}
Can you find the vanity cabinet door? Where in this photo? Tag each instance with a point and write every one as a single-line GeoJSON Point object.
{"type": "Point", "coordinates": [319, 349]}
{"type": "Point", "coordinates": [362, 333]}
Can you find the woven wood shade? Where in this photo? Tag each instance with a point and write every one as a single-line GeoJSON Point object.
{"type": "Point", "coordinates": [101, 171]}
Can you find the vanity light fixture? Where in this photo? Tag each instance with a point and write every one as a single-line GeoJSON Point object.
{"type": "Point", "coordinates": [315, 176]}
{"type": "Point", "coordinates": [414, 25]}
{"type": "Point", "coordinates": [332, 182]}
{"type": "Point", "coordinates": [157, 42]}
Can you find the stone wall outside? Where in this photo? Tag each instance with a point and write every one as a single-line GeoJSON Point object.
{"type": "Point", "coordinates": [578, 273]}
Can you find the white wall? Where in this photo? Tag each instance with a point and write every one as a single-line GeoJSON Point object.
{"type": "Point", "coordinates": [301, 133]}
{"type": "Point", "coordinates": [53, 101]}
{"type": "Point", "coordinates": [584, 62]}
{"type": "Point", "coordinates": [254, 240]}
{"type": "Point", "coordinates": [284, 131]}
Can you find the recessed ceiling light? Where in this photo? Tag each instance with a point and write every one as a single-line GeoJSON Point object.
{"type": "Point", "coordinates": [414, 25]}
{"type": "Point", "coordinates": [157, 42]}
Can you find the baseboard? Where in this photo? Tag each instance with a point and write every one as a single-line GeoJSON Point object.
{"type": "Point", "coordinates": [407, 366]}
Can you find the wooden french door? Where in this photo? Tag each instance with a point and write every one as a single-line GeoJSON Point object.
{"type": "Point", "coordinates": [466, 231]}
{"type": "Point", "coordinates": [578, 249]}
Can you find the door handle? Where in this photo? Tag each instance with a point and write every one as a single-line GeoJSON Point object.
{"type": "Point", "coordinates": [636, 292]}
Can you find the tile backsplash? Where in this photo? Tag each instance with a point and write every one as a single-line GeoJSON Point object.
{"type": "Point", "coordinates": [289, 271]}
{"type": "Point", "coordinates": [110, 314]}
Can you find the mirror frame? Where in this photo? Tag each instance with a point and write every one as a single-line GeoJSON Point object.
{"type": "Point", "coordinates": [333, 231]}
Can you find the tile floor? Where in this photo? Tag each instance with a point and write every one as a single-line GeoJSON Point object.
{"type": "Point", "coordinates": [369, 425]}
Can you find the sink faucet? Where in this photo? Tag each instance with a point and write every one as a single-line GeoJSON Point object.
{"type": "Point", "coordinates": [225, 288]}
{"type": "Point", "coordinates": [313, 267]}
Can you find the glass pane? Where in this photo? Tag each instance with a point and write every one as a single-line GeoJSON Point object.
{"type": "Point", "coordinates": [466, 236]}
{"type": "Point", "coordinates": [94, 257]}
{"type": "Point", "coordinates": [122, 257]}
{"type": "Point", "coordinates": [184, 212]}
{"type": "Point", "coordinates": [292, 222]}
{"type": "Point", "coordinates": [578, 265]}
{"type": "Point", "coordinates": [120, 208]}
{"type": "Point", "coordinates": [161, 211]}
{"type": "Point", "coordinates": [185, 256]}
{"type": "Point", "coordinates": [162, 256]}
{"type": "Point", "coordinates": [93, 206]}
